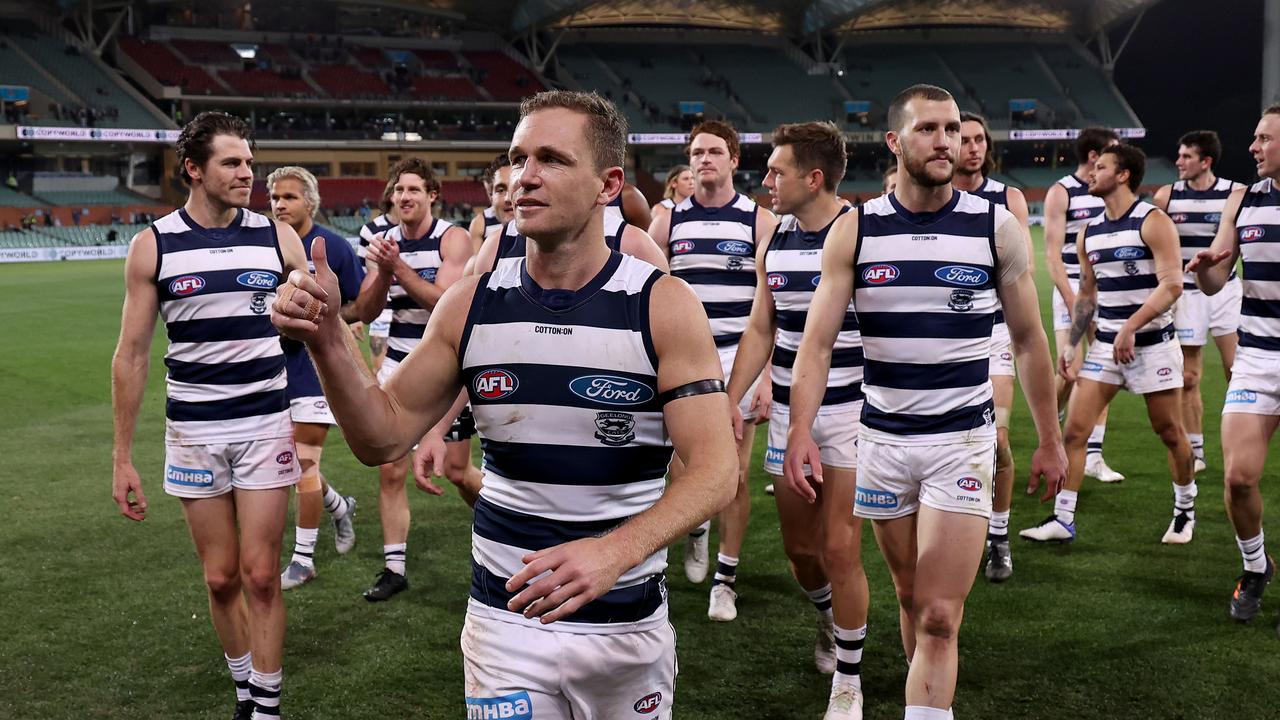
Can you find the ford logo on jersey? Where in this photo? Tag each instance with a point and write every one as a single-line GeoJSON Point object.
{"type": "Point", "coordinates": [495, 384]}
{"type": "Point", "coordinates": [1129, 253]}
{"type": "Point", "coordinates": [611, 390]}
{"type": "Point", "coordinates": [1214, 218]}
{"type": "Point", "coordinates": [777, 281]}
{"type": "Point", "coordinates": [681, 247]}
{"type": "Point", "coordinates": [428, 274]}
{"type": "Point", "coordinates": [257, 279]}
{"type": "Point", "coordinates": [1253, 232]}
{"type": "Point", "coordinates": [815, 280]}
{"type": "Point", "coordinates": [961, 275]}
{"type": "Point", "coordinates": [186, 285]}
{"type": "Point", "coordinates": [734, 247]}
{"type": "Point", "coordinates": [880, 274]}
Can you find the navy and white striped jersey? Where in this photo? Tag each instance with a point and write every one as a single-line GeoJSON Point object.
{"type": "Point", "coordinates": [1081, 208]}
{"type": "Point", "coordinates": [380, 224]}
{"type": "Point", "coordinates": [408, 319]}
{"type": "Point", "coordinates": [490, 220]}
{"type": "Point", "coordinates": [794, 264]}
{"type": "Point", "coordinates": [1125, 269]}
{"type": "Point", "coordinates": [226, 380]}
{"type": "Point", "coordinates": [713, 249]}
{"type": "Point", "coordinates": [1258, 231]}
{"type": "Point", "coordinates": [994, 191]}
{"type": "Point", "coordinates": [1197, 213]}
{"type": "Point", "coordinates": [614, 208]}
{"type": "Point", "coordinates": [564, 390]}
{"type": "Point", "coordinates": [511, 246]}
{"type": "Point", "coordinates": [925, 294]}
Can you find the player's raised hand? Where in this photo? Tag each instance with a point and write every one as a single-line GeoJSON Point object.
{"type": "Point", "coordinates": [567, 576]}
{"type": "Point", "coordinates": [1206, 259]}
{"type": "Point", "coordinates": [802, 451]}
{"type": "Point", "coordinates": [1048, 462]}
{"type": "Point", "coordinates": [126, 490]}
{"type": "Point", "coordinates": [301, 310]}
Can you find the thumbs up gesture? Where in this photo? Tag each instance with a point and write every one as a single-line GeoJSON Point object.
{"type": "Point", "coordinates": [302, 310]}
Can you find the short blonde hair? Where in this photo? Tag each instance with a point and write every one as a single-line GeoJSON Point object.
{"type": "Point", "coordinates": [310, 186]}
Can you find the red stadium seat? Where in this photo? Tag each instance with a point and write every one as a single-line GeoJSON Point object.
{"type": "Point", "coordinates": [348, 81]}
{"type": "Point", "coordinates": [504, 78]}
{"type": "Point", "coordinates": [157, 59]}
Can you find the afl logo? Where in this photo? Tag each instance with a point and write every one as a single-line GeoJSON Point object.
{"type": "Point", "coordinates": [495, 384]}
{"type": "Point", "coordinates": [680, 247]}
{"type": "Point", "coordinates": [777, 281]}
{"type": "Point", "coordinates": [1164, 372]}
{"type": "Point", "coordinates": [969, 484]}
{"type": "Point", "coordinates": [186, 285]}
{"type": "Point", "coordinates": [880, 274]}
{"type": "Point", "coordinates": [1253, 232]}
{"type": "Point", "coordinates": [611, 390]}
{"type": "Point", "coordinates": [1129, 253]}
{"type": "Point", "coordinates": [734, 247]}
{"type": "Point", "coordinates": [1094, 256]}
{"type": "Point", "coordinates": [648, 703]}
{"type": "Point", "coordinates": [961, 275]}
{"type": "Point", "coordinates": [1080, 214]}
{"type": "Point", "coordinates": [257, 279]}
{"type": "Point", "coordinates": [284, 458]}
{"type": "Point", "coordinates": [1178, 217]}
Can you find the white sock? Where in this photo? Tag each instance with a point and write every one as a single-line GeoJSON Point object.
{"type": "Point", "coordinates": [821, 599]}
{"type": "Point", "coordinates": [1197, 444]}
{"type": "Point", "coordinates": [701, 529]}
{"type": "Point", "coordinates": [849, 656]}
{"type": "Point", "coordinates": [304, 545]}
{"type": "Point", "coordinates": [726, 570]}
{"type": "Point", "coordinates": [1064, 506]}
{"type": "Point", "coordinates": [923, 712]}
{"type": "Point", "coordinates": [1095, 439]}
{"type": "Point", "coordinates": [998, 525]}
{"type": "Point", "coordinates": [265, 688]}
{"type": "Point", "coordinates": [1184, 498]}
{"type": "Point", "coordinates": [240, 668]}
{"type": "Point", "coordinates": [1254, 553]}
{"type": "Point", "coordinates": [334, 504]}
{"type": "Point", "coordinates": [394, 556]}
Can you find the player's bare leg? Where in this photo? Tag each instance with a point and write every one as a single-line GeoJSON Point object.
{"type": "Point", "coordinates": [1096, 466]}
{"type": "Point", "coordinates": [1165, 412]}
{"type": "Point", "coordinates": [804, 547]}
{"type": "Point", "coordinates": [1192, 403]}
{"type": "Point", "coordinates": [850, 597]}
{"type": "Point", "coordinates": [1245, 456]}
{"type": "Point", "coordinates": [393, 508]}
{"type": "Point", "coordinates": [897, 541]}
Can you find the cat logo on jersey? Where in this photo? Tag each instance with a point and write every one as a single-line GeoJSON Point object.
{"type": "Point", "coordinates": [777, 281]}
{"type": "Point", "coordinates": [186, 285]}
{"type": "Point", "coordinates": [880, 274]}
{"type": "Point", "coordinates": [961, 300]}
{"type": "Point", "coordinates": [1130, 267]}
{"type": "Point", "coordinates": [495, 384]}
{"type": "Point", "coordinates": [615, 429]}
{"type": "Point", "coordinates": [648, 703]}
{"type": "Point", "coordinates": [1251, 233]}
{"type": "Point", "coordinates": [258, 303]}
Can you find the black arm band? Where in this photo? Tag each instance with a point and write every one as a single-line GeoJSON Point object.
{"type": "Point", "coordinates": [697, 387]}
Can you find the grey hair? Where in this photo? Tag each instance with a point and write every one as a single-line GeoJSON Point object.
{"type": "Point", "coordinates": [310, 187]}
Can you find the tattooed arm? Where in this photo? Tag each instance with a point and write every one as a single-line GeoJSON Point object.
{"type": "Point", "coordinates": [1082, 312]}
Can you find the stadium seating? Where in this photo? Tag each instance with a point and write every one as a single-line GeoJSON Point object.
{"type": "Point", "coordinates": [447, 88]}
{"type": "Point", "coordinates": [372, 58]}
{"type": "Point", "coordinates": [87, 80]}
{"type": "Point", "coordinates": [756, 74]}
{"type": "Point", "coordinates": [470, 192]}
{"type": "Point", "coordinates": [15, 70]}
{"type": "Point", "coordinates": [206, 52]}
{"type": "Point", "coordinates": [80, 198]}
{"type": "Point", "coordinates": [11, 198]}
{"type": "Point", "coordinates": [265, 83]}
{"type": "Point", "coordinates": [438, 59]}
{"type": "Point", "coordinates": [1087, 85]}
{"type": "Point", "coordinates": [661, 77]}
{"type": "Point", "coordinates": [348, 81]}
{"type": "Point", "coordinates": [504, 78]}
{"type": "Point", "coordinates": [1000, 73]}
{"type": "Point", "coordinates": [347, 225]}
{"type": "Point", "coordinates": [167, 69]}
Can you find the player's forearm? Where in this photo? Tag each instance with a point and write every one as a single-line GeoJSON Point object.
{"type": "Point", "coordinates": [372, 298]}
{"type": "Point", "coordinates": [753, 354]}
{"type": "Point", "coordinates": [1210, 280]}
{"type": "Point", "coordinates": [1058, 272]}
{"type": "Point", "coordinates": [1158, 302]}
{"type": "Point", "coordinates": [128, 381]}
{"type": "Point", "coordinates": [363, 410]}
{"type": "Point", "coordinates": [809, 381]}
{"type": "Point", "coordinates": [423, 292]}
{"type": "Point", "coordinates": [1035, 374]}
{"type": "Point", "coordinates": [1082, 312]}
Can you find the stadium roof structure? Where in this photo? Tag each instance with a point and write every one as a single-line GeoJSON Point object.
{"type": "Point", "coordinates": [807, 17]}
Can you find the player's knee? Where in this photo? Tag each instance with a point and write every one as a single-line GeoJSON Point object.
{"type": "Point", "coordinates": [391, 476]}
{"type": "Point", "coordinates": [939, 621]}
{"type": "Point", "coordinates": [1171, 435]}
{"type": "Point", "coordinates": [802, 552]}
{"type": "Point", "coordinates": [840, 556]}
{"type": "Point", "coordinates": [261, 579]}
{"type": "Point", "coordinates": [224, 585]}
{"type": "Point", "coordinates": [1190, 379]}
{"type": "Point", "coordinates": [1004, 455]}
{"type": "Point", "coordinates": [1075, 435]}
{"type": "Point", "coordinates": [1240, 482]}
{"type": "Point", "coordinates": [458, 473]}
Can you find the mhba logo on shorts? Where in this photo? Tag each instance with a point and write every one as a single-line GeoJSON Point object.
{"type": "Point", "coordinates": [774, 455]}
{"type": "Point", "coordinates": [1247, 397]}
{"type": "Point", "coordinates": [515, 706]}
{"type": "Point", "coordinates": [961, 275]}
{"type": "Point", "coordinates": [186, 285]}
{"type": "Point", "coordinates": [495, 384]}
{"type": "Point", "coordinates": [880, 499]}
{"type": "Point", "coordinates": [777, 281]}
{"type": "Point", "coordinates": [880, 274]}
{"type": "Point", "coordinates": [648, 704]}
{"type": "Point", "coordinates": [611, 390]}
{"type": "Point", "coordinates": [680, 247]}
{"type": "Point", "coordinates": [1251, 233]}
{"type": "Point", "coordinates": [733, 247]}
{"type": "Point", "coordinates": [188, 477]}
{"type": "Point", "coordinates": [257, 279]}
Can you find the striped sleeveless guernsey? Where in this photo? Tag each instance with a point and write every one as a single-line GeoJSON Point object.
{"type": "Point", "coordinates": [564, 390]}
{"type": "Point", "coordinates": [512, 245]}
{"type": "Point", "coordinates": [1081, 208]}
{"type": "Point", "coordinates": [226, 380]}
{"type": "Point", "coordinates": [408, 319]}
{"type": "Point", "coordinates": [713, 249]}
{"type": "Point", "coordinates": [490, 220]}
{"type": "Point", "coordinates": [1197, 213]}
{"type": "Point", "coordinates": [668, 203]}
{"type": "Point", "coordinates": [995, 192]}
{"type": "Point", "coordinates": [794, 262]}
{"type": "Point", "coordinates": [925, 293]}
{"type": "Point", "coordinates": [614, 208]}
{"type": "Point", "coordinates": [1258, 231]}
{"type": "Point", "coordinates": [377, 225]}
{"type": "Point", "coordinates": [1126, 273]}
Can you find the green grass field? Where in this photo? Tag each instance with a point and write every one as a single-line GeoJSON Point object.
{"type": "Point", "coordinates": [104, 618]}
